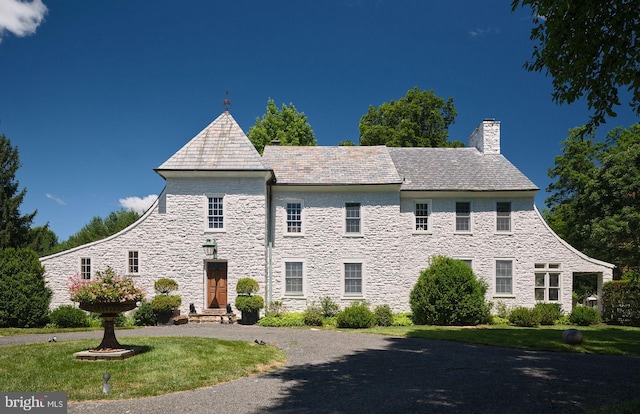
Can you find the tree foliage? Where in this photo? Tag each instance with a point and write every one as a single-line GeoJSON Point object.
{"type": "Point", "coordinates": [14, 227]}
{"type": "Point", "coordinates": [589, 48]}
{"type": "Point", "coordinates": [24, 296]}
{"type": "Point", "coordinates": [595, 198]}
{"type": "Point", "coordinates": [418, 119]}
{"type": "Point", "coordinates": [286, 125]}
{"type": "Point", "coordinates": [99, 228]}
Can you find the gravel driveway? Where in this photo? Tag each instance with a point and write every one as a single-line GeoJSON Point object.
{"type": "Point", "coordinates": [340, 372]}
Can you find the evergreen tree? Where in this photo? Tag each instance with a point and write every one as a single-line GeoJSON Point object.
{"type": "Point", "coordinates": [14, 227]}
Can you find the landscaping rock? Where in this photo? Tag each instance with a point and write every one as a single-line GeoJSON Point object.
{"type": "Point", "coordinates": [572, 337]}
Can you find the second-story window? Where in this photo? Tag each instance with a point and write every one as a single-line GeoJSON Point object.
{"type": "Point", "coordinates": [85, 268]}
{"type": "Point", "coordinates": [352, 224]}
{"type": "Point", "coordinates": [294, 217]}
{"type": "Point", "coordinates": [215, 212]}
{"type": "Point", "coordinates": [463, 216]}
{"type": "Point", "coordinates": [133, 262]}
{"type": "Point", "coordinates": [503, 216]}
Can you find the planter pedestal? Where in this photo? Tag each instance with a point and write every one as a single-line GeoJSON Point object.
{"type": "Point", "coordinates": [108, 312]}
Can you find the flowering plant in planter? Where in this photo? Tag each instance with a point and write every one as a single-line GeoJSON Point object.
{"type": "Point", "coordinates": [107, 288]}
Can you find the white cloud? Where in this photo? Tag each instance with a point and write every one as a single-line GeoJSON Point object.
{"type": "Point", "coordinates": [137, 204]}
{"type": "Point", "coordinates": [53, 197]}
{"type": "Point", "coordinates": [21, 18]}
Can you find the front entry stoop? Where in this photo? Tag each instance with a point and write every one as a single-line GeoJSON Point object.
{"type": "Point", "coordinates": [212, 316]}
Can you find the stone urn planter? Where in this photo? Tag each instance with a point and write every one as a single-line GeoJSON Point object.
{"type": "Point", "coordinates": [108, 312]}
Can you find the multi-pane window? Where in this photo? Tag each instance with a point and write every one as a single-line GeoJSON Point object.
{"type": "Point", "coordinates": [463, 216]}
{"type": "Point", "coordinates": [293, 278]}
{"type": "Point", "coordinates": [215, 213]}
{"type": "Point", "coordinates": [353, 278]}
{"type": "Point", "coordinates": [421, 213]}
{"type": "Point", "coordinates": [547, 282]}
{"type": "Point", "coordinates": [504, 276]}
{"type": "Point", "coordinates": [85, 268]}
{"type": "Point", "coordinates": [133, 261]}
{"type": "Point", "coordinates": [503, 216]}
{"type": "Point", "coordinates": [294, 217]}
{"type": "Point", "coordinates": [352, 211]}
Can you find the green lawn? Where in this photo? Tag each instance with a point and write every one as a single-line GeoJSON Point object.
{"type": "Point", "coordinates": [599, 339]}
{"type": "Point", "coordinates": [169, 364]}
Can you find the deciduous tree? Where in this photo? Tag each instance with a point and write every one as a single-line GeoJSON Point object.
{"type": "Point", "coordinates": [418, 119]}
{"type": "Point", "coordinates": [285, 125]}
{"type": "Point", "coordinates": [590, 48]}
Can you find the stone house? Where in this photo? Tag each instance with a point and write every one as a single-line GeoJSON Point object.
{"type": "Point", "coordinates": [345, 222]}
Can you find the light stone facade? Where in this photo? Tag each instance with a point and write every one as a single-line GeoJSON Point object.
{"type": "Point", "coordinates": [256, 242]}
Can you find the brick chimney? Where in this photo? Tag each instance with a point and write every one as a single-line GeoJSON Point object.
{"type": "Point", "coordinates": [486, 137]}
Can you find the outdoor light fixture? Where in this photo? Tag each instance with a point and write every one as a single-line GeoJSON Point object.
{"type": "Point", "coordinates": [106, 387]}
{"type": "Point", "coordinates": [210, 248]}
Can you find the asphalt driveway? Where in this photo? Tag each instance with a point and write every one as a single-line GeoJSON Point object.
{"type": "Point", "coordinates": [339, 372]}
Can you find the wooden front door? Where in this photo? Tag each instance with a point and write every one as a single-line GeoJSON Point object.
{"type": "Point", "coordinates": [217, 285]}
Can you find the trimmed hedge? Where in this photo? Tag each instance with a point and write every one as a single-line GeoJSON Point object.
{"type": "Point", "coordinates": [549, 312]}
{"type": "Point", "coordinates": [621, 302]}
{"type": "Point", "coordinates": [525, 317]}
{"type": "Point", "coordinates": [67, 316]}
{"type": "Point", "coordinates": [584, 316]}
{"type": "Point", "coordinates": [357, 316]}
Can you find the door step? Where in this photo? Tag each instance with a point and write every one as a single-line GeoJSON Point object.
{"type": "Point", "coordinates": [212, 316]}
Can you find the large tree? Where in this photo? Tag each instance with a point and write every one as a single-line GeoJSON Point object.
{"type": "Point", "coordinates": [99, 228]}
{"type": "Point", "coordinates": [14, 227]}
{"type": "Point", "coordinates": [418, 119]}
{"type": "Point", "coordinates": [285, 125]}
{"type": "Point", "coordinates": [595, 196]}
{"type": "Point", "coordinates": [589, 48]}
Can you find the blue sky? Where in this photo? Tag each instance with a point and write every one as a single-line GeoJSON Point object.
{"type": "Point", "coordinates": [95, 94]}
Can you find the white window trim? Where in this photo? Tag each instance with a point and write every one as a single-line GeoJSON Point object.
{"type": "Point", "coordinates": [495, 226]}
{"type": "Point", "coordinates": [139, 261]}
{"type": "Point", "coordinates": [429, 216]}
{"type": "Point", "coordinates": [356, 296]}
{"type": "Point", "coordinates": [80, 271]}
{"type": "Point", "coordinates": [513, 278]}
{"type": "Point", "coordinates": [344, 220]}
{"type": "Point", "coordinates": [302, 295]}
{"type": "Point", "coordinates": [455, 216]}
{"type": "Point", "coordinates": [206, 213]}
{"type": "Point", "coordinates": [546, 270]}
{"type": "Point", "coordinates": [302, 218]}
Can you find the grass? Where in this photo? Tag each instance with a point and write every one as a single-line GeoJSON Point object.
{"type": "Point", "coordinates": [598, 339]}
{"type": "Point", "coordinates": [45, 330]}
{"type": "Point", "coordinates": [168, 364]}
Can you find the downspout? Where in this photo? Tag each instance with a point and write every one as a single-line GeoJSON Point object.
{"type": "Point", "coordinates": [270, 239]}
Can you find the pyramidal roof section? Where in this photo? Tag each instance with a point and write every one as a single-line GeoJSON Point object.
{"type": "Point", "coordinates": [221, 146]}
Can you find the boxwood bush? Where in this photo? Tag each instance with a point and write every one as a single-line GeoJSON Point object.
{"type": "Point", "coordinates": [549, 312]}
{"type": "Point", "coordinates": [67, 316]}
{"type": "Point", "coordinates": [313, 315]}
{"type": "Point", "coordinates": [384, 316]}
{"type": "Point", "coordinates": [584, 316]}
{"type": "Point", "coordinates": [448, 293]}
{"type": "Point", "coordinates": [144, 315]}
{"type": "Point", "coordinates": [525, 317]}
{"type": "Point", "coordinates": [357, 315]}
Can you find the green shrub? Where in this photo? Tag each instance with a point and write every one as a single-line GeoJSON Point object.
{"type": "Point", "coordinates": [275, 309]}
{"type": "Point", "coordinates": [448, 293]}
{"type": "Point", "coordinates": [502, 310]}
{"type": "Point", "coordinates": [383, 315]}
{"type": "Point", "coordinates": [584, 316]}
{"type": "Point", "coordinates": [165, 303]}
{"type": "Point", "coordinates": [497, 320]}
{"type": "Point", "coordinates": [249, 303]}
{"type": "Point", "coordinates": [144, 315]}
{"type": "Point", "coordinates": [165, 286]}
{"type": "Point", "coordinates": [24, 296]}
{"type": "Point", "coordinates": [549, 312]}
{"type": "Point", "coordinates": [525, 317]}
{"type": "Point", "coordinates": [247, 286]}
{"type": "Point", "coordinates": [285, 320]}
{"type": "Point", "coordinates": [313, 315]}
{"type": "Point", "coordinates": [329, 307]}
{"type": "Point", "coordinates": [357, 315]}
{"type": "Point", "coordinates": [621, 301]}
{"type": "Point", "coordinates": [67, 316]}
{"type": "Point", "coordinates": [402, 319]}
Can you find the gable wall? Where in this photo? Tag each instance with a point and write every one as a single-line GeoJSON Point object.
{"type": "Point", "coordinates": [169, 239]}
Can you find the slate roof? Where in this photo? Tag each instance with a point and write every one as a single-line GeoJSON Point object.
{"type": "Point", "coordinates": [221, 146]}
{"type": "Point", "coordinates": [457, 169]}
{"type": "Point", "coordinates": [331, 165]}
